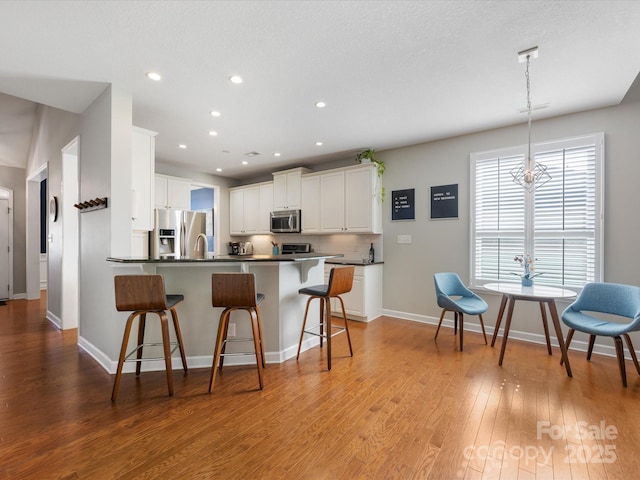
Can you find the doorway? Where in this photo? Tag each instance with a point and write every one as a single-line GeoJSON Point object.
{"type": "Point", "coordinates": [6, 244]}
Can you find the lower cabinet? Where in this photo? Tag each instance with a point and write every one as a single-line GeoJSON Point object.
{"type": "Point", "coordinates": [364, 301]}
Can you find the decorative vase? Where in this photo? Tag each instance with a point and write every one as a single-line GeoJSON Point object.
{"type": "Point", "coordinates": [275, 250]}
{"type": "Point", "coordinates": [527, 282]}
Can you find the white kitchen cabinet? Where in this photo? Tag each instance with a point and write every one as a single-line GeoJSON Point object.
{"type": "Point", "coordinates": [348, 200]}
{"type": "Point", "coordinates": [287, 187]}
{"type": "Point", "coordinates": [310, 203]}
{"type": "Point", "coordinates": [364, 301]}
{"type": "Point", "coordinates": [172, 192]}
{"type": "Point", "coordinates": [249, 209]}
{"type": "Point", "coordinates": [142, 173]}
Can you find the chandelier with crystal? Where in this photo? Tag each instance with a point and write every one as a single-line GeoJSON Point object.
{"type": "Point", "coordinates": [531, 174]}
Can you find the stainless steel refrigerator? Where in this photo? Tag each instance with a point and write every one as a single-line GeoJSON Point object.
{"type": "Point", "coordinates": [179, 234]}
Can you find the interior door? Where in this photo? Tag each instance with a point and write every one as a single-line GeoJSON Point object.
{"type": "Point", "coordinates": [4, 249]}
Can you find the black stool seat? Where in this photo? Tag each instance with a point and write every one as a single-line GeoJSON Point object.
{"type": "Point", "coordinates": [316, 290]}
{"type": "Point", "coordinates": [173, 300]}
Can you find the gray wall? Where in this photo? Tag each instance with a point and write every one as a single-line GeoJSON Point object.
{"type": "Point", "coordinates": [443, 245]}
{"type": "Point", "coordinates": [14, 179]}
{"type": "Point", "coordinates": [56, 128]}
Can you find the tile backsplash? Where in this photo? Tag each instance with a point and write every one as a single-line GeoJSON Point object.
{"type": "Point", "coordinates": [353, 247]}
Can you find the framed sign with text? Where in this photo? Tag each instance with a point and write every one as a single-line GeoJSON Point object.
{"type": "Point", "coordinates": [403, 204]}
{"type": "Point", "coordinates": [444, 201]}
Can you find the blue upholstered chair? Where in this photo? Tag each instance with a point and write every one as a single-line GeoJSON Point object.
{"type": "Point", "coordinates": [606, 298]}
{"type": "Point", "coordinates": [453, 296]}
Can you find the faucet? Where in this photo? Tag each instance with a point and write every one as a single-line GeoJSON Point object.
{"type": "Point", "coordinates": [206, 244]}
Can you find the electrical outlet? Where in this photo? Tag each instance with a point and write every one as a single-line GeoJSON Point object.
{"type": "Point", "coordinates": [404, 239]}
{"type": "Point", "coordinates": [232, 330]}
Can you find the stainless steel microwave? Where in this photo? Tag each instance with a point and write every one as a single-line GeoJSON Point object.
{"type": "Point", "coordinates": [285, 221]}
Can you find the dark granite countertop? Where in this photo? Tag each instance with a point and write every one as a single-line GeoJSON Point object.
{"type": "Point", "coordinates": [295, 257]}
{"type": "Point", "coordinates": [344, 261]}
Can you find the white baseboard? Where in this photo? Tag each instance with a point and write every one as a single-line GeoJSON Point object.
{"type": "Point", "coordinates": [54, 319]}
{"type": "Point", "coordinates": [201, 361]}
{"type": "Point", "coordinates": [474, 326]}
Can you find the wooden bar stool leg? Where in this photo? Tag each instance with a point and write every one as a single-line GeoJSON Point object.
{"type": "Point", "coordinates": [123, 354]}
{"type": "Point", "coordinates": [346, 325]}
{"type": "Point", "coordinates": [322, 321]}
{"type": "Point", "coordinates": [141, 326]}
{"type": "Point", "coordinates": [225, 336]}
{"type": "Point", "coordinates": [304, 324]}
{"type": "Point", "coordinates": [218, 349]}
{"type": "Point", "coordinates": [176, 326]}
{"type": "Point", "coordinates": [262, 354]}
{"type": "Point", "coordinates": [328, 328]}
{"type": "Point", "coordinates": [256, 343]}
{"type": "Point", "coordinates": [166, 344]}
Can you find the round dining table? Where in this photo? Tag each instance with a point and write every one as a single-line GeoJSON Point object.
{"type": "Point", "coordinates": [536, 293]}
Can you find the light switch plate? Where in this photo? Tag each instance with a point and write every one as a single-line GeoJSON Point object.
{"type": "Point", "coordinates": [404, 238]}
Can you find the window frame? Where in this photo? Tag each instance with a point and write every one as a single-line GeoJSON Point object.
{"type": "Point", "coordinates": [595, 139]}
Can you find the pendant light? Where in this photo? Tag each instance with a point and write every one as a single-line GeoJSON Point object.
{"type": "Point", "coordinates": [531, 174]}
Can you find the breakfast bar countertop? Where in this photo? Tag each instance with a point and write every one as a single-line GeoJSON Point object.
{"type": "Point", "coordinates": [294, 257]}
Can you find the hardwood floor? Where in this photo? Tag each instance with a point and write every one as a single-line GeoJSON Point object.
{"type": "Point", "coordinates": [403, 407]}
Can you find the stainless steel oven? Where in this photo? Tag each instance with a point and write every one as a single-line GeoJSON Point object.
{"type": "Point", "coordinates": [285, 221]}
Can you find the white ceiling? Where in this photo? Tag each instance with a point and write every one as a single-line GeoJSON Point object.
{"type": "Point", "coordinates": [391, 72]}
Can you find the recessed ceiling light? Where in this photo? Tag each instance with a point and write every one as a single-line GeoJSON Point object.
{"type": "Point", "coordinates": [235, 79]}
{"type": "Point", "coordinates": [154, 76]}
{"type": "Point", "coordinates": [318, 144]}
{"type": "Point", "coordinates": [213, 133]}
{"type": "Point", "coordinates": [244, 162]}
{"type": "Point", "coordinates": [182, 145]}
{"type": "Point", "coordinates": [321, 104]}
{"type": "Point", "coordinates": [277, 154]}
{"type": "Point", "coordinates": [215, 113]}
{"type": "Point", "coordinates": [218, 169]}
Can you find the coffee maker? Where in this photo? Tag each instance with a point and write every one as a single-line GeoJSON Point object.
{"type": "Point", "coordinates": [240, 248]}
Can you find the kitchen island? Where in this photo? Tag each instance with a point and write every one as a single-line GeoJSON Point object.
{"type": "Point", "coordinates": [279, 277]}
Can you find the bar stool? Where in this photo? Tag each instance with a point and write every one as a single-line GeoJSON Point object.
{"type": "Point", "coordinates": [142, 294]}
{"type": "Point", "coordinates": [340, 281]}
{"type": "Point", "coordinates": [236, 291]}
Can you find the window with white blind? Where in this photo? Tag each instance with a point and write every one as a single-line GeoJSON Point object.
{"type": "Point", "coordinates": [559, 224]}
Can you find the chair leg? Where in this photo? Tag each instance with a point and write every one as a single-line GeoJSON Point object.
{"type": "Point", "coordinates": [592, 340]}
{"type": "Point", "coordinates": [632, 352]}
{"type": "Point", "coordinates": [483, 332]}
{"type": "Point", "coordinates": [444, 310]}
{"type": "Point", "coordinates": [567, 343]}
{"type": "Point", "coordinates": [218, 348]}
{"type": "Point", "coordinates": [455, 323]}
{"type": "Point", "coordinates": [620, 355]}
{"type": "Point", "coordinates": [304, 324]}
{"type": "Point", "coordinates": [225, 335]}
{"type": "Point", "coordinates": [176, 327]}
{"type": "Point", "coordinates": [256, 344]}
{"type": "Point", "coordinates": [123, 354]}
{"type": "Point", "coordinates": [346, 325]}
{"type": "Point", "coordinates": [322, 319]}
{"type": "Point", "coordinates": [141, 326]}
{"type": "Point", "coordinates": [166, 344]}
{"type": "Point", "coordinates": [327, 312]}
{"type": "Point", "coordinates": [461, 328]}
{"type": "Point", "coordinates": [264, 363]}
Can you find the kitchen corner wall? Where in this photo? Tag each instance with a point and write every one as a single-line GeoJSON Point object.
{"type": "Point", "coordinates": [443, 245]}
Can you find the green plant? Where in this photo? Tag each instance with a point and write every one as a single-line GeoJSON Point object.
{"type": "Point", "coordinates": [370, 154]}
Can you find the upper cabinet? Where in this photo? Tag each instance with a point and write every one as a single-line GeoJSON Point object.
{"type": "Point", "coordinates": [142, 171]}
{"type": "Point", "coordinates": [343, 200]}
{"type": "Point", "coordinates": [172, 192]}
{"type": "Point", "coordinates": [286, 189]}
{"type": "Point", "coordinates": [249, 209]}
